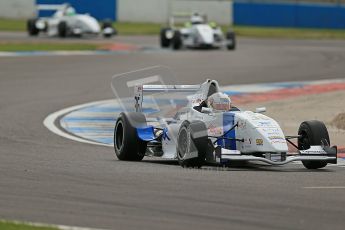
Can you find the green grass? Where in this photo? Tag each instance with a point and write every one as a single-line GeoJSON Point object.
{"type": "Point", "coordinates": [12, 25]}
{"type": "Point", "coordinates": [130, 28]}
{"type": "Point", "coordinates": [126, 28]}
{"type": "Point", "coordinates": [6, 225]}
{"type": "Point", "coordinates": [10, 47]}
{"type": "Point", "coordinates": [290, 33]}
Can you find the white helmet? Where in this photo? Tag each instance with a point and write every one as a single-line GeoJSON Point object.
{"type": "Point", "coordinates": [70, 11]}
{"type": "Point", "coordinates": [219, 102]}
{"type": "Point", "coordinates": [196, 18]}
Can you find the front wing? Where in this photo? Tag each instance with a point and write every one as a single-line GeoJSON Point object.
{"type": "Point", "coordinates": [315, 153]}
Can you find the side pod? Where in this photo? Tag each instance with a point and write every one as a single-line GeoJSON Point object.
{"type": "Point", "coordinates": [146, 133]}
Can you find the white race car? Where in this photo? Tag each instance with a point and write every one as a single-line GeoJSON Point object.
{"type": "Point", "coordinates": [200, 132]}
{"type": "Point", "coordinates": [66, 22]}
{"type": "Point", "coordinates": [196, 33]}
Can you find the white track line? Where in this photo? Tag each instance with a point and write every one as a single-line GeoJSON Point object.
{"type": "Point", "coordinates": [50, 120]}
{"type": "Point", "coordinates": [61, 227]}
{"type": "Point", "coordinates": [53, 53]}
{"type": "Point", "coordinates": [325, 187]}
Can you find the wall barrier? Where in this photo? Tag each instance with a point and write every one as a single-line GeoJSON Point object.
{"type": "Point", "coordinates": [17, 9]}
{"type": "Point", "coordinates": [304, 15]}
{"type": "Point", "coordinates": [103, 9]}
{"type": "Point", "coordinates": [159, 11]}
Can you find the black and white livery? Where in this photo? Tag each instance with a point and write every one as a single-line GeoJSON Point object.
{"type": "Point", "coordinates": [196, 33]}
{"type": "Point", "coordinates": [209, 129]}
{"type": "Point", "coordinates": [66, 22]}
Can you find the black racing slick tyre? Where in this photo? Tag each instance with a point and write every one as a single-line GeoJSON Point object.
{"type": "Point", "coordinates": [176, 40]}
{"type": "Point", "coordinates": [231, 38]}
{"type": "Point", "coordinates": [164, 40]}
{"type": "Point", "coordinates": [108, 24]}
{"type": "Point", "coordinates": [62, 29]}
{"type": "Point", "coordinates": [192, 140]}
{"type": "Point", "coordinates": [127, 145]}
{"type": "Point", "coordinates": [31, 27]}
{"type": "Point", "coordinates": [312, 133]}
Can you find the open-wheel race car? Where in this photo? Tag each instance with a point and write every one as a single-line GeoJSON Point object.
{"type": "Point", "coordinates": [209, 129]}
{"type": "Point", "coordinates": [196, 33]}
{"type": "Point", "coordinates": [65, 22]}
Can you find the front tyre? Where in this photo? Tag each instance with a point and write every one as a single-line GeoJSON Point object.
{"type": "Point", "coordinates": [231, 39]}
{"type": "Point", "coordinates": [312, 133]}
{"type": "Point", "coordinates": [31, 27]}
{"type": "Point", "coordinates": [62, 29]}
{"type": "Point", "coordinates": [127, 145]}
{"type": "Point", "coordinates": [164, 39]}
{"type": "Point", "coordinates": [192, 144]}
{"type": "Point", "coordinates": [176, 40]}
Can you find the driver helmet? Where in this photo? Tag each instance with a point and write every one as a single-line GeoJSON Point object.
{"type": "Point", "coordinates": [70, 11]}
{"type": "Point", "coordinates": [219, 102]}
{"type": "Point", "coordinates": [213, 25]}
{"type": "Point", "coordinates": [196, 18]}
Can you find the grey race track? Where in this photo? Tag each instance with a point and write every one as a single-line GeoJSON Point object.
{"type": "Point", "coordinates": [46, 178]}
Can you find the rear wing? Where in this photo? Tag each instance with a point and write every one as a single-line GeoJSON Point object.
{"type": "Point", "coordinates": [176, 18]}
{"type": "Point", "coordinates": [58, 9]}
{"type": "Point", "coordinates": [52, 6]}
{"type": "Point", "coordinates": [139, 91]}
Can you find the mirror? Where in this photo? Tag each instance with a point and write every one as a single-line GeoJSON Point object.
{"type": "Point", "coordinates": [260, 110]}
{"type": "Point", "coordinates": [206, 110]}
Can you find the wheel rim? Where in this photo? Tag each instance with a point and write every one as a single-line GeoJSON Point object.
{"type": "Point", "coordinates": [183, 143]}
{"type": "Point", "coordinates": [304, 141]}
{"type": "Point", "coordinates": [119, 134]}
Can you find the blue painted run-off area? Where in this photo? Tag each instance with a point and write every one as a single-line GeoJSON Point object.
{"type": "Point", "coordinates": [103, 9]}
{"type": "Point", "coordinates": [281, 14]}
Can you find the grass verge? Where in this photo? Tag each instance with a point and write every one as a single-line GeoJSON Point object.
{"type": "Point", "coordinates": [12, 47]}
{"type": "Point", "coordinates": [12, 25]}
{"type": "Point", "coordinates": [288, 33]}
{"type": "Point", "coordinates": [22, 226]}
{"type": "Point", "coordinates": [130, 28]}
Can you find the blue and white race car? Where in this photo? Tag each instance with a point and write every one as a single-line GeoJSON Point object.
{"type": "Point", "coordinates": [65, 22]}
{"type": "Point", "coordinates": [197, 33]}
{"type": "Point", "coordinates": [208, 129]}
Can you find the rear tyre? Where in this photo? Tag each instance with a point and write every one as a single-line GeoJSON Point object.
{"type": "Point", "coordinates": [312, 133]}
{"type": "Point", "coordinates": [164, 40]}
{"type": "Point", "coordinates": [31, 27]}
{"type": "Point", "coordinates": [192, 139]}
{"type": "Point", "coordinates": [231, 37]}
{"type": "Point", "coordinates": [176, 40]}
{"type": "Point", "coordinates": [127, 145]}
{"type": "Point", "coordinates": [108, 24]}
{"type": "Point", "coordinates": [62, 29]}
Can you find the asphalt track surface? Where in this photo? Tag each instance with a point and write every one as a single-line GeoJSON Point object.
{"type": "Point", "coordinates": [46, 178]}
